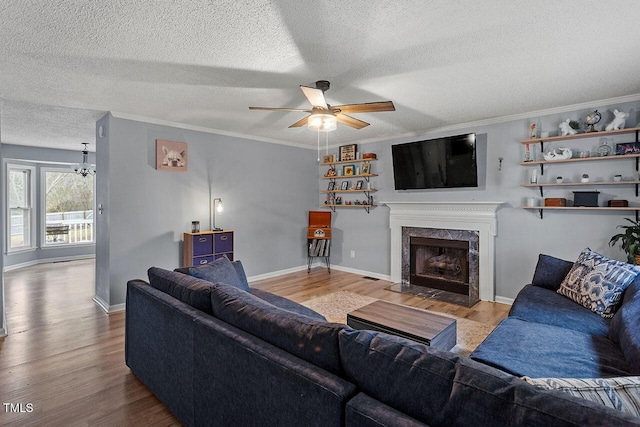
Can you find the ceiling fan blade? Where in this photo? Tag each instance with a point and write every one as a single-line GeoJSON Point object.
{"type": "Point", "coordinates": [351, 121]}
{"type": "Point", "coordinates": [300, 123]}
{"type": "Point", "coordinates": [369, 107]}
{"type": "Point", "coordinates": [279, 109]}
{"type": "Point", "coordinates": [315, 97]}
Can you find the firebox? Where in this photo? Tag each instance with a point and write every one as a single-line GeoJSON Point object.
{"type": "Point", "coordinates": [439, 264]}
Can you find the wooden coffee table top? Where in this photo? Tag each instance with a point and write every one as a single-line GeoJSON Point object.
{"type": "Point", "coordinates": [406, 321]}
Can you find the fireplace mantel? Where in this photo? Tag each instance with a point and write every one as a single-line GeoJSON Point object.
{"type": "Point", "coordinates": [474, 215]}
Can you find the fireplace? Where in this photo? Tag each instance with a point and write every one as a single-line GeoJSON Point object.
{"type": "Point", "coordinates": [474, 221]}
{"type": "Point", "coordinates": [439, 264]}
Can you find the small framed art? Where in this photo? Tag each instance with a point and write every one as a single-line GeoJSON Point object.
{"type": "Point", "coordinates": [344, 185]}
{"type": "Point", "coordinates": [331, 186]}
{"type": "Point", "coordinates": [327, 159]}
{"type": "Point", "coordinates": [628, 148]}
{"type": "Point", "coordinates": [359, 184]}
{"type": "Point", "coordinates": [366, 168]}
{"type": "Point", "coordinates": [348, 152]}
{"type": "Point", "coordinates": [171, 155]}
{"type": "Point", "coordinates": [348, 170]}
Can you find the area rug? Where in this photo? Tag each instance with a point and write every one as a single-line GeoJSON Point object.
{"type": "Point", "coordinates": [336, 305]}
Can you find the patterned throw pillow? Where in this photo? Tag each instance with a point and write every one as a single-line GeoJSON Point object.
{"type": "Point", "coordinates": [622, 393]}
{"type": "Point", "coordinates": [597, 282]}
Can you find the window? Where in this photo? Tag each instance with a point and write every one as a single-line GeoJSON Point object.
{"type": "Point", "coordinates": [20, 207]}
{"type": "Point", "coordinates": [68, 207]}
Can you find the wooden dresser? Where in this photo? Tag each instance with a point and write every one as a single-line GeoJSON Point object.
{"type": "Point", "coordinates": [204, 247]}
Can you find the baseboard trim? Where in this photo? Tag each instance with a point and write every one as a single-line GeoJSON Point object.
{"type": "Point", "coordinates": [276, 273]}
{"type": "Point", "coordinates": [504, 300]}
{"type": "Point", "coordinates": [3, 332]}
{"type": "Point", "coordinates": [362, 272]}
{"type": "Point", "coordinates": [109, 309]}
{"type": "Point", "coordinates": [47, 260]}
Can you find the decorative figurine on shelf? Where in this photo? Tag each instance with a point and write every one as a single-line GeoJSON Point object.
{"type": "Point", "coordinates": [585, 177]}
{"type": "Point", "coordinates": [563, 154]}
{"type": "Point", "coordinates": [558, 180]}
{"type": "Point", "coordinates": [532, 131]}
{"type": "Point", "coordinates": [528, 157]}
{"type": "Point", "coordinates": [338, 200]}
{"type": "Point", "coordinates": [592, 119]}
{"type": "Point", "coordinates": [619, 122]}
{"type": "Point", "coordinates": [566, 129]}
{"type": "Point", "coordinates": [331, 172]}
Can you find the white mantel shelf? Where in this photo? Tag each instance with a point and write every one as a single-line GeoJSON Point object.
{"type": "Point", "coordinates": [477, 216]}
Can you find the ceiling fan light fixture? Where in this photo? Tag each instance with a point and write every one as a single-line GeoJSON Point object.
{"type": "Point", "coordinates": [322, 122]}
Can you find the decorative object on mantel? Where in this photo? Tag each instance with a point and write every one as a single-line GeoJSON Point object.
{"type": "Point", "coordinates": [85, 168]}
{"type": "Point", "coordinates": [629, 241]}
{"type": "Point", "coordinates": [558, 154]}
{"type": "Point", "coordinates": [619, 121]}
{"type": "Point", "coordinates": [171, 156]}
{"type": "Point", "coordinates": [566, 129]}
{"type": "Point", "coordinates": [593, 119]}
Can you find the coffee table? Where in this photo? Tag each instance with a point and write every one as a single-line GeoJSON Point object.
{"type": "Point", "coordinates": [407, 322]}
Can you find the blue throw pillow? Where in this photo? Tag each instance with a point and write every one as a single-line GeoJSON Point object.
{"type": "Point", "coordinates": [219, 271]}
{"type": "Point", "coordinates": [597, 282]}
{"type": "Point", "coordinates": [550, 272]}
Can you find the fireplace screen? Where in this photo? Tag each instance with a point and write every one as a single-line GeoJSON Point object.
{"type": "Point", "coordinates": [440, 264]}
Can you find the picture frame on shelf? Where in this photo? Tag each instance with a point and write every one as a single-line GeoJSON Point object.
{"type": "Point", "coordinates": [627, 148]}
{"type": "Point", "coordinates": [344, 185]}
{"type": "Point", "coordinates": [348, 170]}
{"type": "Point", "coordinates": [331, 186]}
{"type": "Point", "coordinates": [366, 168]}
{"type": "Point", "coordinates": [348, 152]}
{"type": "Point", "coordinates": [327, 159]}
{"type": "Point", "coordinates": [359, 184]}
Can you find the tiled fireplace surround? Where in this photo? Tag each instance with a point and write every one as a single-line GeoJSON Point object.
{"type": "Point", "coordinates": [471, 221]}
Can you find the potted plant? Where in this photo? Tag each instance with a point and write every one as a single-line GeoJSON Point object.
{"type": "Point", "coordinates": [630, 241]}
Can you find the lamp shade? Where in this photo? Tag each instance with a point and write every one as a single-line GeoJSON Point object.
{"type": "Point", "coordinates": [322, 122]}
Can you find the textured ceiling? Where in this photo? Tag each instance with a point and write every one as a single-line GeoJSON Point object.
{"type": "Point", "coordinates": [65, 63]}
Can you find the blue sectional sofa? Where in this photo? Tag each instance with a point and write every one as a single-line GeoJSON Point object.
{"type": "Point", "coordinates": [548, 335]}
{"type": "Point", "coordinates": [226, 354]}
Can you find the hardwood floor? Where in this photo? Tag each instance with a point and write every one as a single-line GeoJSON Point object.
{"type": "Point", "coordinates": [65, 356]}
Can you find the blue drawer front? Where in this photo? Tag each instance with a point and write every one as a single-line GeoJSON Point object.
{"type": "Point", "coordinates": [202, 260]}
{"type": "Point", "coordinates": [227, 254]}
{"type": "Point", "coordinates": [223, 242]}
{"type": "Point", "coordinates": [202, 245]}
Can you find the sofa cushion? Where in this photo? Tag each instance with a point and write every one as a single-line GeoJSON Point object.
{"type": "Point", "coordinates": [621, 393]}
{"type": "Point", "coordinates": [538, 351]}
{"type": "Point", "coordinates": [286, 304]}
{"type": "Point", "coordinates": [190, 290]}
{"type": "Point", "coordinates": [219, 271]}
{"type": "Point", "coordinates": [441, 388]}
{"type": "Point", "coordinates": [625, 326]}
{"type": "Point", "coordinates": [550, 271]}
{"type": "Point", "coordinates": [597, 282]}
{"type": "Point", "coordinates": [313, 340]}
{"type": "Point", "coordinates": [542, 305]}
{"type": "Point", "coordinates": [237, 264]}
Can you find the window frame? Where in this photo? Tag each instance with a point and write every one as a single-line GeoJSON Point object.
{"type": "Point", "coordinates": [30, 200]}
{"type": "Point", "coordinates": [43, 210]}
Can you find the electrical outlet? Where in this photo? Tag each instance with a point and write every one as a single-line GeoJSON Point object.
{"type": "Point", "coordinates": [353, 254]}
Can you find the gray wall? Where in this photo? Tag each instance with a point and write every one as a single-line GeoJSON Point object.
{"type": "Point", "coordinates": [267, 190]}
{"type": "Point", "coordinates": [3, 320]}
{"type": "Point", "coordinates": [522, 235]}
{"type": "Point", "coordinates": [39, 157]}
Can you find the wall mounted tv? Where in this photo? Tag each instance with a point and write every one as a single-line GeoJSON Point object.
{"type": "Point", "coordinates": [436, 163]}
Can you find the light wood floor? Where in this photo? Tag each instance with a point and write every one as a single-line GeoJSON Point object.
{"type": "Point", "coordinates": [65, 356]}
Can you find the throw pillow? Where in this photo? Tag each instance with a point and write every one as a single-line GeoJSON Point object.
{"type": "Point", "coordinates": [622, 393]}
{"type": "Point", "coordinates": [597, 282]}
{"type": "Point", "coordinates": [219, 271]}
{"type": "Point", "coordinates": [550, 272]}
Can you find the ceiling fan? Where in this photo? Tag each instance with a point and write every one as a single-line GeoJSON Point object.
{"type": "Point", "coordinates": [323, 117]}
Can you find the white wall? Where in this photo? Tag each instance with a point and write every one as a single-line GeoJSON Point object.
{"type": "Point", "coordinates": [266, 188]}
{"type": "Point", "coordinates": [522, 235]}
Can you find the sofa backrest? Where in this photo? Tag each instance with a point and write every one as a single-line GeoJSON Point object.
{"type": "Point", "coordinates": [237, 264]}
{"type": "Point", "coordinates": [190, 290]}
{"type": "Point", "coordinates": [625, 326]}
{"type": "Point", "coordinates": [313, 340]}
{"type": "Point", "coordinates": [440, 388]}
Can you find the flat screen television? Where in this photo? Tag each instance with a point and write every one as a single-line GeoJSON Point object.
{"type": "Point", "coordinates": [436, 163]}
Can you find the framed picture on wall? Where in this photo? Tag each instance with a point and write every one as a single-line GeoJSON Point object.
{"type": "Point", "coordinates": [348, 170]}
{"type": "Point", "coordinates": [366, 168]}
{"type": "Point", "coordinates": [344, 185]}
{"type": "Point", "coordinates": [327, 159]}
{"type": "Point", "coordinates": [331, 186]}
{"type": "Point", "coordinates": [171, 156]}
{"type": "Point", "coordinates": [359, 184]}
{"type": "Point", "coordinates": [348, 152]}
